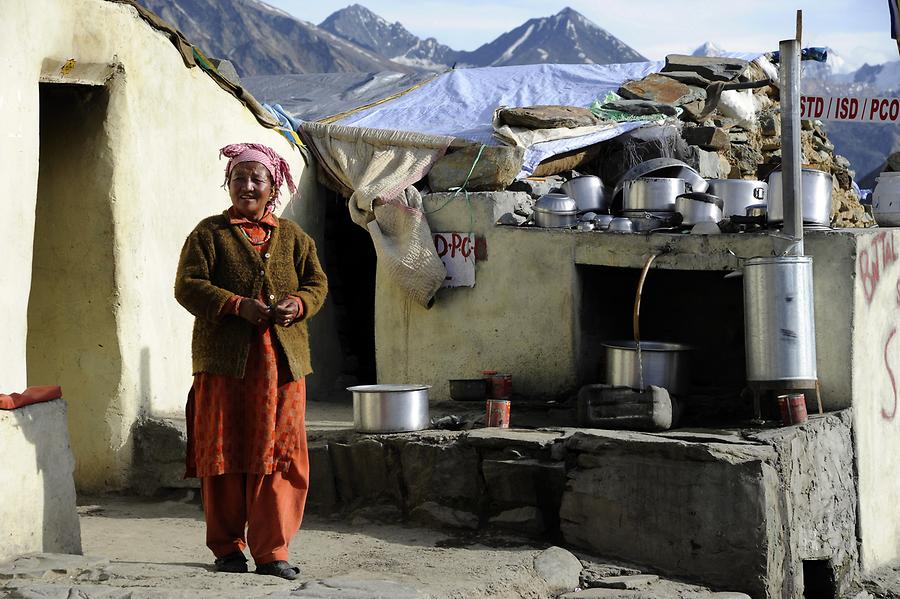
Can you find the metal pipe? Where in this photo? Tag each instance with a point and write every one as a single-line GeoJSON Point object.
{"type": "Point", "coordinates": [791, 190]}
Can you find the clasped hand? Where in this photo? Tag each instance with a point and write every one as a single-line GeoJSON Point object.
{"type": "Point", "coordinates": [256, 312]}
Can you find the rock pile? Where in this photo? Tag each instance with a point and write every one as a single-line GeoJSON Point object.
{"type": "Point", "coordinates": [742, 127]}
{"type": "Point", "coordinates": [727, 126]}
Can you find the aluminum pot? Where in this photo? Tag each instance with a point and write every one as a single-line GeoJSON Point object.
{"type": "Point", "coordinates": [390, 408]}
{"type": "Point", "coordinates": [555, 210]}
{"type": "Point", "coordinates": [651, 194]}
{"type": "Point", "coordinates": [660, 167]}
{"type": "Point", "coordinates": [698, 207]}
{"type": "Point", "coordinates": [738, 194]}
{"type": "Point", "coordinates": [779, 323]}
{"type": "Point", "coordinates": [664, 364]}
{"type": "Point", "coordinates": [886, 200]}
{"type": "Point", "coordinates": [588, 192]}
{"type": "Point", "coordinates": [816, 186]}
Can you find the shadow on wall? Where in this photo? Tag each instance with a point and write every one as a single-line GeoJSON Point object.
{"type": "Point", "coordinates": [72, 339]}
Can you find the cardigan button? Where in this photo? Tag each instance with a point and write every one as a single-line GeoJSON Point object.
{"type": "Point", "coordinates": [272, 297]}
{"type": "Point", "coordinates": [267, 255]}
{"type": "Point", "coordinates": [262, 272]}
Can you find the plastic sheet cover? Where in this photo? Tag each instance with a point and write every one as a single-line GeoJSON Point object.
{"type": "Point", "coordinates": [461, 102]}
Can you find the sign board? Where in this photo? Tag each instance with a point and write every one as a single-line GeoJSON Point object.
{"type": "Point", "coordinates": [849, 108]}
{"type": "Point", "coordinates": [457, 252]}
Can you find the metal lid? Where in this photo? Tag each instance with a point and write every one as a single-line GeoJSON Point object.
{"type": "Point", "coordinates": [647, 345]}
{"type": "Point", "coordinates": [556, 203]}
{"type": "Point", "coordinates": [387, 388]}
{"type": "Point", "coordinates": [758, 260]}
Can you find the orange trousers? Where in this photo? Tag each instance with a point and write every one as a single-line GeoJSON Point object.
{"type": "Point", "coordinates": [269, 507]}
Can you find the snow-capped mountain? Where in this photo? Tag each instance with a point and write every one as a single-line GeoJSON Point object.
{"type": "Point", "coordinates": [364, 28]}
{"type": "Point", "coordinates": [708, 49]}
{"type": "Point", "coordinates": [566, 37]}
{"type": "Point", "coordinates": [260, 39]}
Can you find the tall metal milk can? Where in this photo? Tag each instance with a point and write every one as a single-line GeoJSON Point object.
{"type": "Point", "coordinates": [779, 323]}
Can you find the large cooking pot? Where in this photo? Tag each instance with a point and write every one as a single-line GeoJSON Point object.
{"type": "Point", "coordinates": [660, 167]}
{"type": "Point", "coordinates": [664, 365]}
{"type": "Point", "coordinates": [816, 187]}
{"type": "Point", "coordinates": [390, 408]}
{"type": "Point", "coordinates": [588, 192]}
{"type": "Point", "coordinates": [651, 194]}
{"type": "Point", "coordinates": [779, 323]}
{"type": "Point", "coordinates": [696, 207]}
{"type": "Point", "coordinates": [555, 210]}
{"type": "Point", "coordinates": [738, 194]}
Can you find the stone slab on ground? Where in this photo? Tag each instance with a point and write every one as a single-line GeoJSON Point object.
{"type": "Point", "coordinates": [346, 587]}
{"type": "Point", "coordinates": [630, 582]}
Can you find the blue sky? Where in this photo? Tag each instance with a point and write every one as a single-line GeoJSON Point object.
{"type": "Point", "coordinates": [858, 30]}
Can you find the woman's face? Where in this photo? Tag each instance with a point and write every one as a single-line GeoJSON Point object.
{"type": "Point", "coordinates": [250, 187]}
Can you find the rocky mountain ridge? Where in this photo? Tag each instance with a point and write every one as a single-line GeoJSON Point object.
{"type": "Point", "coordinates": [260, 39]}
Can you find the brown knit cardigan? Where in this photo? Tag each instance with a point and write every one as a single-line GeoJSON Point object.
{"type": "Point", "coordinates": [217, 262]}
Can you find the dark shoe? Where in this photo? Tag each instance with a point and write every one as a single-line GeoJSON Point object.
{"type": "Point", "coordinates": [278, 568]}
{"type": "Point", "coordinates": [233, 562]}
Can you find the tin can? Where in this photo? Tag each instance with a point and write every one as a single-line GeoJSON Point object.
{"type": "Point", "coordinates": [783, 409]}
{"type": "Point", "coordinates": [497, 413]}
{"type": "Point", "coordinates": [499, 385]}
{"type": "Point", "coordinates": [792, 408]}
{"type": "Point", "coordinates": [797, 408]}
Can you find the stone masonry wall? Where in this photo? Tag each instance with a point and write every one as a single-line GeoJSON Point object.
{"type": "Point", "coordinates": [731, 510]}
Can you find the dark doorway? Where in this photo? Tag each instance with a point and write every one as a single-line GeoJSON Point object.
{"type": "Point", "coordinates": [72, 340]}
{"type": "Point", "coordinates": [352, 261]}
{"type": "Point", "coordinates": [818, 579]}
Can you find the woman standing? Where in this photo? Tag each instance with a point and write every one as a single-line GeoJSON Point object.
{"type": "Point", "coordinates": [252, 281]}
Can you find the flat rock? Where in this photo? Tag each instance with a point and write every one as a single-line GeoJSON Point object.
{"type": "Point", "coordinates": [661, 89]}
{"type": "Point", "coordinates": [593, 572]}
{"type": "Point", "coordinates": [495, 169]}
{"type": "Point", "coordinates": [558, 568]}
{"type": "Point", "coordinates": [729, 595]}
{"type": "Point", "coordinates": [689, 78]}
{"type": "Point", "coordinates": [632, 582]}
{"type": "Point", "coordinates": [537, 186]}
{"type": "Point", "coordinates": [711, 68]}
{"type": "Point", "coordinates": [641, 107]}
{"type": "Point", "coordinates": [708, 138]}
{"type": "Point", "coordinates": [547, 117]}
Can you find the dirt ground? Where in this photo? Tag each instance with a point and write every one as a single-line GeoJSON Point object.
{"type": "Point", "coordinates": [137, 548]}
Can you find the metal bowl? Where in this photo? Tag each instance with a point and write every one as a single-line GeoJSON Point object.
{"type": "Point", "coordinates": [390, 408]}
{"type": "Point", "coordinates": [621, 225]}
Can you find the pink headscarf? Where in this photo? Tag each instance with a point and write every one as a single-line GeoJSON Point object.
{"type": "Point", "coordinates": [269, 158]}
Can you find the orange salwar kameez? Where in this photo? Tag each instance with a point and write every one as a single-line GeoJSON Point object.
{"type": "Point", "coordinates": [247, 442]}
